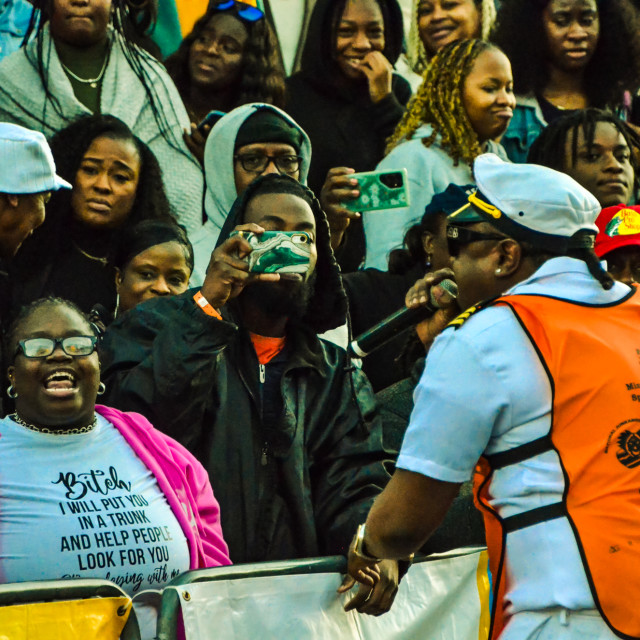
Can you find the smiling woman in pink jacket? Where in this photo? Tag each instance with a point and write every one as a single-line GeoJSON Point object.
{"type": "Point", "coordinates": [108, 495]}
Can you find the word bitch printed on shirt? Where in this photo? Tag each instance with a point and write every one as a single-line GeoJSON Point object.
{"type": "Point", "coordinates": [116, 533]}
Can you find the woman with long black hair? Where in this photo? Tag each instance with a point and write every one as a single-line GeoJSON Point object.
{"type": "Point", "coordinates": [566, 55]}
{"type": "Point", "coordinates": [116, 183]}
{"type": "Point", "coordinates": [230, 58]}
{"type": "Point", "coordinates": [81, 59]}
{"type": "Point", "coordinates": [348, 100]}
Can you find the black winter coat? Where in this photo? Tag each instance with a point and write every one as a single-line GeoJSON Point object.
{"type": "Point", "coordinates": [295, 490]}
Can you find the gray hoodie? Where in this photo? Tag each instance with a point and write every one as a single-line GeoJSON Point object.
{"type": "Point", "coordinates": [220, 193]}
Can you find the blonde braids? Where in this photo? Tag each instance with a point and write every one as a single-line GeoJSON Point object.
{"type": "Point", "coordinates": [417, 56]}
{"type": "Point", "coordinates": [438, 102]}
{"type": "Point", "coordinates": [488, 15]}
{"type": "Point", "coordinates": [416, 53]}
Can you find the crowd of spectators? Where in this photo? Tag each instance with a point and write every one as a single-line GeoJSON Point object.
{"type": "Point", "coordinates": [131, 188]}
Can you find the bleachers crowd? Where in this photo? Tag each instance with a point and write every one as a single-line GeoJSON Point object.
{"type": "Point", "coordinates": [140, 178]}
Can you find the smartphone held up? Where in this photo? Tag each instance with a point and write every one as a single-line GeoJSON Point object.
{"type": "Point", "coordinates": [380, 190]}
{"type": "Point", "coordinates": [284, 252]}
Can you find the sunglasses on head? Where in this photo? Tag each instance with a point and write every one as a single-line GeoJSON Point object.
{"type": "Point", "coordinates": [74, 346]}
{"type": "Point", "coordinates": [245, 10]}
{"type": "Point", "coordinates": [461, 236]}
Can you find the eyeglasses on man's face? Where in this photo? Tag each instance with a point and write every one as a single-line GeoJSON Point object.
{"type": "Point", "coordinates": [458, 237]}
{"type": "Point", "coordinates": [258, 162]}
{"type": "Point", "coordinates": [74, 346]}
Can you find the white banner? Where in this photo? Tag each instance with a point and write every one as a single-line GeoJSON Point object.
{"type": "Point", "coordinates": [442, 599]}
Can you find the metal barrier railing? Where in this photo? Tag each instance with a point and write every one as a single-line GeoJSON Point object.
{"type": "Point", "coordinates": [168, 602]}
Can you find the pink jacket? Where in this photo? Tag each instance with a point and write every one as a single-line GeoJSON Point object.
{"type": "Point", "coordinates": [184, 482]}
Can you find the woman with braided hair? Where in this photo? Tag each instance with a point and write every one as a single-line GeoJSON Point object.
{"type": "Point", "coordinates": [597, 149]}
{"type": "Point", "coordinates": [464, 103]}
{"type": "Point", "coordinates": [81, 59]}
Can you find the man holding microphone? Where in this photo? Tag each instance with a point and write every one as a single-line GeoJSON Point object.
{"type": "Point", "coordinates": [534, 387]}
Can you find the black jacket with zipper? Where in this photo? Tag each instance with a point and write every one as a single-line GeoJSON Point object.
{"type": "Point", "coordinates": [297, 487]}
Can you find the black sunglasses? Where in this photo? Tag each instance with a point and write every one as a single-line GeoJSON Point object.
{"type": "Point", "coordinates": [460, 236]}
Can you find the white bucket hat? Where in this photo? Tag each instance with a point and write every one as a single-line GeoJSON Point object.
{"type": "Point", "coordinates": [26, 162]}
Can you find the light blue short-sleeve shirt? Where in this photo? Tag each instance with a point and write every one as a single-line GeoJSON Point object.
{"type": "Point", "coordinates": [484, 390]}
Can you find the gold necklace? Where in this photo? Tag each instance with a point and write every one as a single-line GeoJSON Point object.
{"type": "Point", "coordinates": [103, 261]}
{"type": "Point", "coordinates": [55, 432]}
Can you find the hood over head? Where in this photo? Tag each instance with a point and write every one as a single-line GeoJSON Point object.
{"type": "Point", "coordinates": [317, 61]}
{"type": "Point", "coordinates": [220, 192]}
{"type": "Point", "coordinates": [328, 305]}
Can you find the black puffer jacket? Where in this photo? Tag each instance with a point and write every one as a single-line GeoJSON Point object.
{"type": "Point", "coordinates": [296, 490]}
{"type": "Point", "coordinates": [293, 478]}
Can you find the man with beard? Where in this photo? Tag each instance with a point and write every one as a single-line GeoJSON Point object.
{"type": "Point", "coordinates": [237, 373]}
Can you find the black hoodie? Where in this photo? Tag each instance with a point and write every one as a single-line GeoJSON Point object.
{"type": "Point", "coordinates": [346, 129]}
{"type": "Point", "coordinates": [328, 305]}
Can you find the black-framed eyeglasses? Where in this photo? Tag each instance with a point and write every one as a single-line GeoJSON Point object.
{"type": "Point", "coordinates": [460, 236]}
{"type": "Point", "coordinates": [258, 162]}
{"type": "Point", "coordinates": [74, 346]}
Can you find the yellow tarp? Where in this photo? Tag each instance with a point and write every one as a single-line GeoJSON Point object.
{"type": "Point", "coordinates": [91, 619]}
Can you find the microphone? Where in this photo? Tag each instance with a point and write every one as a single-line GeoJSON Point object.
{"type": "Point", "coordinates": [397, 322]}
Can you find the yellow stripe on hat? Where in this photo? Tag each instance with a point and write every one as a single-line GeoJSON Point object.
{"type": "Point", "coordinates": [464, 207]}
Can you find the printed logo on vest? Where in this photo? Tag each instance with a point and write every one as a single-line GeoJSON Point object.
{"type": "Point", "coordinates": [629, 448]}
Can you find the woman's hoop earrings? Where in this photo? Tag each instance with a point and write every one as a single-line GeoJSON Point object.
{"type": "Point", "coordinates": [102, 387]}
{"type": "Point", "coordinates": [11, 392]}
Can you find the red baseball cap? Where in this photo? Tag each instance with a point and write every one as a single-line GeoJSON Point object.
{"type": "Point", "coordinates": [618, 226]}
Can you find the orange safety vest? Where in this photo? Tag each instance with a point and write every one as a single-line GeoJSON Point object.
{"type": "Point", "coordinates": [592, 357]}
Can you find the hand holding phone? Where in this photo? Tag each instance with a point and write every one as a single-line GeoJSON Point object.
{"type": "Point", "coordinates": [380, 190]}
{"type": "Point", "coordinates": [228, 271]}
{"type": "Point", "coordinates": [196, 137]}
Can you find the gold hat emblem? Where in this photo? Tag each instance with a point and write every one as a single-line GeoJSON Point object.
{"type": "Point", "coordinates": [489, 209]}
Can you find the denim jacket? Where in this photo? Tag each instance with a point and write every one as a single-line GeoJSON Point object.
{"type": "Point", "coordinates": [524, 128]}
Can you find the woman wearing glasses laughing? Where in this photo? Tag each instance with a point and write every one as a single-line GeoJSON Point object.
{"type": "Point", "coordinates": [109, 496]}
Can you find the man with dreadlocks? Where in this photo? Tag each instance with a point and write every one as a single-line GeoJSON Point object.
{"type": "Point", "coordinates": [285, 426]}
{"type": "Point", "coordinates": [594, 147]}
{"type": "Point", "coordinates": [451, 120]}
{"type": "Point", "coordinates": [81, 60]}
{"type": "Point", "coordinates": [540, 380]}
